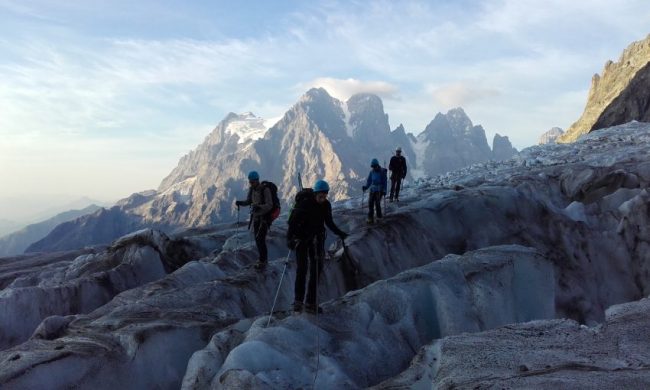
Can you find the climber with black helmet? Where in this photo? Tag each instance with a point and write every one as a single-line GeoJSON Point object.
{"type": "Point", "coordinates": [397, 168]}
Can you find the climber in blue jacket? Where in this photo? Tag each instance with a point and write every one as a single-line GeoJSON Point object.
{"type": "Point", "coordinates": [377, 184]}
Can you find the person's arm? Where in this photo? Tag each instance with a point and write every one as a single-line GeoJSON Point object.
{"type": "Point", "coordinates": [248, 200]}
{"type": "Point", "coordinates": [267, 204]}
{"type": "Point", "coordinates": [369, 181]}
{"type": "Point", "coordinates": [329, 221]}
{"type": "Point", "coordinates": [391, 164]}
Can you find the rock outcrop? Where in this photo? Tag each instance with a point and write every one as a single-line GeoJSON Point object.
{"type": "Point", "coordinates": [550, 137]}
{"type": "Point", "coordinates": [450, 142]}
{"type": "Point", "coordinates": [502, 149]}
{"type": "Point", "coordinates": [618, 96]}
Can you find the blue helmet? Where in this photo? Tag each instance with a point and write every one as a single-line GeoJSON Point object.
{"type": "Point", "coordinates": [321, 186]}
{"type": "Point", "coordinates": [374, 163]}
{"type": "Point", "coordinates": [253, 175]}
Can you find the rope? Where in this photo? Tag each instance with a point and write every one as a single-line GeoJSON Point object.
{"type": "Point", "coordinates": [317, 326]}
{"type": "Point", "coordinates": [286, 261]}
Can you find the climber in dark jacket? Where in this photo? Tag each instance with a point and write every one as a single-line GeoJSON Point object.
{"type": "Point", "coordinates": [261, 202]}
{"type": "Point", "coordinates": [397, 168]}
{"type": "Point", "coordinates": [306, 234]}
{"type": "Point", "coordinates": [376, 183]}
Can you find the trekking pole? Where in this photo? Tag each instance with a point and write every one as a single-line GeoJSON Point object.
{"type": "Point", "coordinates": [384, 170]}
{"type": "Point", "coordinates": [237, 231]}
{"type": "Point", "coordinates": [317, 330]}
{"type": "Point", "coordinates": [286, 262]}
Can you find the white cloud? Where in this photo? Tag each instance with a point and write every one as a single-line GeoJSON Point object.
{"type": "Point", "coordinates": [342, 89]}
{"type": "Point", "coordinates": [510, 61]}
{"type": "Point", "coordinates": [460, 94]}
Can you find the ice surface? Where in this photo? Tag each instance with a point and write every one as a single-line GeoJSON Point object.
{"type": "Point", "coordinates": [559, 231]}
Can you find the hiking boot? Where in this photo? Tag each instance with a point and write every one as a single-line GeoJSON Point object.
{"type": "Point", "coordinates": [313, 309]}
{"type": "Point", "coordinates": [297, 306]}
{"type": "Point", "coordinates": [260, 265]}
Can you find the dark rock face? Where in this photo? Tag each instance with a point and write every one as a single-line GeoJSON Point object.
{"type": "Point", "coordinates": [632, 104]}
{"type": "Point", "coordinates": [618, 96]}
{"type": "Point", "coordinates": [452, 142]}
{"type": "Point", "coordinates": [502, 148]}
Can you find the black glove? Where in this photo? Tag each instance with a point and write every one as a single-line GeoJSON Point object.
{"type": "Point", "coordinates": [364, 188]}
{"type": "Point", "coordinates": [239, 203]}
{"type": "Point", "coordinates": [343, 235]}
{"type": "Point", "coordinates": [292, 243]}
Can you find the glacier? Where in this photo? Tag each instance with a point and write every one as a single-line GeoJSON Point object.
{"type": "Point", "coordinates": [530, 272]}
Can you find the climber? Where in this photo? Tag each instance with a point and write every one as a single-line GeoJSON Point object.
{"type": "Point", "coordinates": [377, 184]}
{"type": "Point", "coordinates": [261, 202]}
{"type": "Point", "coordinates": [306, 235]}
{"type": "Point", "coordinates": [397, 167]}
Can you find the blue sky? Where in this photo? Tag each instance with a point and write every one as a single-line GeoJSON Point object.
{"type": "Point", "coordinates": [101, 98]}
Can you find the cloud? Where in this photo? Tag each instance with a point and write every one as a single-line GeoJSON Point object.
{"type": "Point", "coordinates": [460, 94]}
{"type": "Point", "coordinates": [342, 89]}
{"type": "Point", "coordinates": [69, 83]}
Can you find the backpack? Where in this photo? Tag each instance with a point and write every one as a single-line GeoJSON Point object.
{"type": "Point", "coordinates": [303, 194]}
{"type": "Point", "coordinates": [275, 210]}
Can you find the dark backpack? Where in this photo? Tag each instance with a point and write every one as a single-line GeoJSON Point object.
{"type": "Point", "coordinates": [275, 210]}
{"type": "Point", "coordinates": [303, 194]}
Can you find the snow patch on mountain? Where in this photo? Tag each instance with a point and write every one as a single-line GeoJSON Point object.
{"type": "Point", "coordinates": [247, 127]}
{"type": "Point", "coordinates": [419, 147]}
{"type": "Point", "coordinates": [181, 191]}
{"type": "Point", "coordinates": [346, 119]}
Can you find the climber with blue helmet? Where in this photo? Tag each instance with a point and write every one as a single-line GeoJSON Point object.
{"type": "Point", "coordinates": [261, 201]}
{"type": "Point", "coordinates": [306, 234]}
{"type": "Point", "coordinates": [377, 184]}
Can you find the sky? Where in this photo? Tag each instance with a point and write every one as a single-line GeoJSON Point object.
{"type": "Point", "coordinates": [101, 98]}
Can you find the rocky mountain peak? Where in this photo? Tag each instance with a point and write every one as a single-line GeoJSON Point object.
{"type": "Point", "coordinates": [619, 95]}
{"type": "Point", "coordinates": [458, 120]}
{"type": "Point", "coordinates": [367, 119]}
{"type": "Point", "coordinates": [451, 141]}
{"type": "Point", "coordinates": [315, 95]}
{"type": "Point", "coordinates": [550, 136]}
{"type": "Point", "coordinates": [502, 149]}
{"type": "Point", "coordinates": [320, 137]}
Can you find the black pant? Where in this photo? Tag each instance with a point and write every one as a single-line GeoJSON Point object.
{"type": "Point", "coordinates": [260, 228]}
{"type": "Point", "coordinates": [309, 255]}
{"type": "Point", "coordinates": [374, 201]}
{"type": "Point", "coordinates": [395, 185]}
